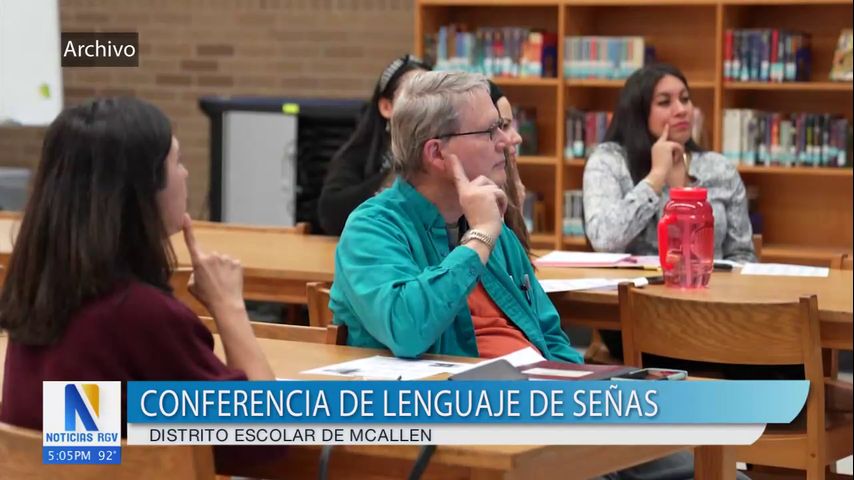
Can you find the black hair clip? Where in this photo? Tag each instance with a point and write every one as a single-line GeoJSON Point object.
{"type": "Point", "coordinates": [394, 67]}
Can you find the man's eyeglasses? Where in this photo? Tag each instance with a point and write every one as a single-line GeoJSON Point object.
{"type": "Point", "coordinates": [502, 124]}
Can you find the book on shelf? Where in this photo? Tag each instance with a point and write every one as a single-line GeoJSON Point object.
{"type": "Point", "coordinates": [525, 122]}
{"type": "Point", "coordinates": [511, 52]}
{"type": "Point", "coordinates": [752, 137]}
{"type": "Point", "coordinates": [841, 69]}
{"type": "Point", "coordinates": [603, 57]}
{"type": "Point", "coordinates": [528, 210]}
{"type": "Point", "coordinates": [573, 213]}
{"type": "Point", "coordinates": [583, 131]}
{"type": "Point", "coordinates": [766, 55]}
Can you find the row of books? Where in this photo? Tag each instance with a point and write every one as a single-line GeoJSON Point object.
{"type": "Point", "coordinates": [766, 55]}
{"type": "Point", "coordinates": [495, 52]}
{"type": "Point", "coordinates": [750, 55]}
{"type": "Point", "coordinates": [754, 137]}
{"type": "Point", "coordinates": [604, 57]}
{"type": "Point", "coordinates": [583, 131]}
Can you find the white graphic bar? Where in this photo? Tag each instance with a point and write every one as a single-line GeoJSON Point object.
{"type": "Point", "coordinates": [424, 434]}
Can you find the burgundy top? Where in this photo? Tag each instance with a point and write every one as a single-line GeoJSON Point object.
{"type": "Point", "coordinates": [134, 332]}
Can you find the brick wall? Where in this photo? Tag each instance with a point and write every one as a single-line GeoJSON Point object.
{"type": "Point", "coordinates": [191, 48]}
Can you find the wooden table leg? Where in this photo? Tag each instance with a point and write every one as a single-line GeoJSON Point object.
{"type": "Point", "coordinates": [714, 462]}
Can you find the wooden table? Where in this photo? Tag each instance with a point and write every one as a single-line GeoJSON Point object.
{"type": "Point", "coordinates": [475, 462]}
{"type": "Point", "coordinates": [277, 266]}
{"type": "Point", "coordinates": [458, 461]}
{"type": "Point", "coordinates": [599, 309]}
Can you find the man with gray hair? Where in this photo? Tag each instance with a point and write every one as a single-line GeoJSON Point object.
{"type": "Point", "coordinates": [427, 265]}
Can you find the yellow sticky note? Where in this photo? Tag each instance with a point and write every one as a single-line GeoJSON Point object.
{"type": "Point", "coordinates": [290, 108]}
{"type": "Point", "coordinates": [44, 90]}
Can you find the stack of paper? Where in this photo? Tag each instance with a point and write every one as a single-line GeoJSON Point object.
{"type": "Point", "coordinates": [575, 284]}
{"type": "Point", "coordinates": [580, 259]}
{"type": "Point", "coordinates": [783, 270]}
{"type": "Point", "coordinates": [389, 368]}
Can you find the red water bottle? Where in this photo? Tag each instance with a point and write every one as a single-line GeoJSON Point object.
{"type": "Point", "coordinates": [686, 239]}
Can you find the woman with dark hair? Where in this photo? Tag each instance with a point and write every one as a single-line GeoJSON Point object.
{"type": "Point", "coordinates": [514, 188]}
{"type": "Point", "coordinates": [359, 169]}
{"type": "Point", "coordinates": [648, 150]}
{"type": "Point", "coordinates": [87, 295]}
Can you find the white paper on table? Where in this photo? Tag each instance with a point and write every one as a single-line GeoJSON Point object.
{"type": "Point", "coordinates": [389, 368]}
{"type": "Point", "coordinates": [553, 372]}
{"type": "Point", "coordinates": [784, 270]}
{"type": "Point", "coordinates": [561, 258]}
{"type": "Point", "coordinates": [576, 284]}
{"type": "Point", "coordinates": [524, 356]}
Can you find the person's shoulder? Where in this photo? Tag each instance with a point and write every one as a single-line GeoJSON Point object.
{"type": "Point", "coordinates": [609, 150]}
{"type": "Point", "coordinates": [607, 153]}
{"type": "Point", "coordinates": [140, 302]}
{"type": "Point", "coordinates": [131, 309]}
{"type": "Point", "coordinates": [607, 156]}
{"type": "Point", "coordinates": [385, 205]}
{"type": "Point", "coordinates": [714, 165]}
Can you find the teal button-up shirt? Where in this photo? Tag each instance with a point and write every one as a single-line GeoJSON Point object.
{"type": "Point", "coordinates": [398, 284]}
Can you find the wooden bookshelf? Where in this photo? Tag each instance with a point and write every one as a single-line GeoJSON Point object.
{"type": "Point", "coordinates": [526, 82]}
{"type": "Point", "coordinates": [537, 160]}
{"type": "Point", "coordinates": [574, 242]}
{"type": "Point", "coordinates": [618, 84]}
{"type": "Point", "coordinates": [796, 171]}
{"type": "Point", "coordinates": [804, 209]}
{"type": "Point", "coordinates": [792, 86]}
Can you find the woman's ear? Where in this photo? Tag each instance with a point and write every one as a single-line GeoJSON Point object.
{"type": "Point", "coordinates": [385, 107]}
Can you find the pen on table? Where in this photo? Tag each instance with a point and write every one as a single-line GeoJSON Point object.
{"type": "Point", "coordinates": [652, 268]}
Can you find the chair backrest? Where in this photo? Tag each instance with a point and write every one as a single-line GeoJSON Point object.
{"type": "Point", "coordinates": [301, 228]}
{"type": "Point", "coordinates": [319, 314]}
{"type": "Point", "coordinates": [178, 281]}
{"type": "Point", "coordinates": [330, 335]}
{"type": "Point", "coordinates": [841, 262]}
{"type": "Point", "coordinates": [21, 457]}
{"type": "Point", "coordinates": [730, 333]}
{"type": "Point", "coordinates": [757, 246]}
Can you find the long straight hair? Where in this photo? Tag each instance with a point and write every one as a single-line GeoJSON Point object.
{"type": "Point", "coordinates": [630, 123]}
{"type": "Point", "coordinates": [92, 219]}
{"type": "Point", "coordinates": [372, 130]}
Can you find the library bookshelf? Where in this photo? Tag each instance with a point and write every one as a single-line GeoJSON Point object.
{"type": "Point", "coordinates": [805, 209]}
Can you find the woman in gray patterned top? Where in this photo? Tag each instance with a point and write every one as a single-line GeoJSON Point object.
{"type": "Point", "coordinates": [647, 151]}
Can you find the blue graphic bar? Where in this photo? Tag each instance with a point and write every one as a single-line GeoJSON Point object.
{"type": "Point", "coordinates": [475, 402]}
{"type": "Point", "coordinates": [81, 455]}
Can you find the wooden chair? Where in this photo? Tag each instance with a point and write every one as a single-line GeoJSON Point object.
{"type": "Point", "coordinates": [847, 262]}
{"type": "Point", "coordinates": [179, 280]}
{"type": "Point", "coordinates": [330, 335]}
{"type": "Point", "coordinates": [757, 246]}
{"type": "Point", "coordinates": [301, 228]}
{"type": "Point", "coordinates": [756, 334]}
{"type": "Point", "coordinates": [181, 275]}
{"type": "Point", "coordinates": [319, 314]}
{"type": "Point", "coordinates": [21, 457]}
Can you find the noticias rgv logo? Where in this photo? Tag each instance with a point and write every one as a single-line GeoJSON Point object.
{"type": "Point", "coordinates": [76, 408]}
{"type": "Point", "coordinates": [117, 49]}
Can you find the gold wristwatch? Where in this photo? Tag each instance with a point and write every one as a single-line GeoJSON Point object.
{"type": "Point", "coordinates": [480, 236]}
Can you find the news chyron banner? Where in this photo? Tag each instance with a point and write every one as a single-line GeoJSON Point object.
{"type": "Point", "coordinates": [459, 412]}
{"type": "Point", "coordinates": [82, 420]}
